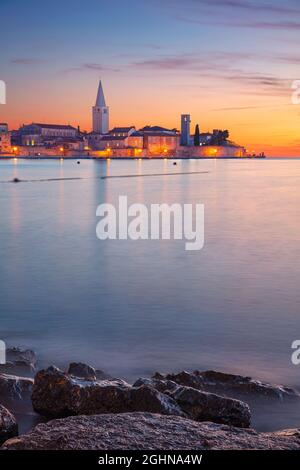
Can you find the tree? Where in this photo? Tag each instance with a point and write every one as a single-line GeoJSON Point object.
{"type": "Point", "coordinates": [225, 135]}
{"type": "Point", "coordinates": [197, 136]}
{"type": "Point", "coordinates": [219, 137]}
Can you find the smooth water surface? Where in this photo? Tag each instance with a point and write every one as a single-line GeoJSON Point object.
{"type": "Point", "coordinates": [134, 307]}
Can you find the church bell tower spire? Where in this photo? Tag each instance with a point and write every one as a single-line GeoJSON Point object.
{"type": "Point", "coordinates": [100, 113]}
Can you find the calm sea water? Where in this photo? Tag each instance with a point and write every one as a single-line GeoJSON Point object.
{"type": "Point", "coordinates": [134, 307]}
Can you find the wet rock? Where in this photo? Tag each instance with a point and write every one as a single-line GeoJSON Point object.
{"type": "Point", "coordinates": [101, 375]}
{"type": "Point", "coordinates": [201, 405]}
{"type": "Point", "coordinates": [57, 394]}
{"type": "Point", "coordinates": [146, 431]}
{"type": "Point", "coordinates": [84, 371]}
{"type": "Point", "coordinates": [15, 394]}
{"type": "Point", "coordinates": [8, 424]}
{"type": "Point", "coordinates": [19, 362]}
{"type": "Point", "coordinates": [15, 388]}
{"type": "Point", "coordinates": [205, 406]}
{"type": "Point", "coordinates": [231, 385]}
{"type": "Point", "coordinates": [162, 386]}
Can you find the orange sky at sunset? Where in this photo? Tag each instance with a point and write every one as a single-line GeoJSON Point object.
{"type": "Point", "coordinates": [233, 73]}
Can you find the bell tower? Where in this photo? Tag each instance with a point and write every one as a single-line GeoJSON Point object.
{"type": "Point", "coordinates": [100, 113]}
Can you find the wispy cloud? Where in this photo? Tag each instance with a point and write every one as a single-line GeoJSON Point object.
{"type": "Point", "coordinates": [255, 6]}
{"type": "Point", "coordinates": [255, 14]}
{"type": "Point", "coordinates": [26, 61]}
{"type": "Point", "coordinates": [192, 61]}
{"type": "Point", "coordinates": [92, 66]}
{"type": "Point", "coordinates": [221, 66]}
{"type": "Point", "coordinates": [265, 25]}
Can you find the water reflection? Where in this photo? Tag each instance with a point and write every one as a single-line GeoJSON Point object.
{"type": "Point", "coordinates": [136, 307]}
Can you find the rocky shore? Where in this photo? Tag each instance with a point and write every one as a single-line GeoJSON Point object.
{"type": "Point", "coordinates": [92, 410]}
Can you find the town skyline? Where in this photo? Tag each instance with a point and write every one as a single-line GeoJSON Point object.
{"type": "Point", "coordinates": [236, 73]}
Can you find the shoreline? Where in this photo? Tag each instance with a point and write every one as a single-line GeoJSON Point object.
{"type": "Point", "coordinates": [84, 157]}
{"type": "Point", "coordinates": [222, 401]}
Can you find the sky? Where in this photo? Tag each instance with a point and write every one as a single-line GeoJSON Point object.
{"type": "Point", "coordinates": [228, 63]}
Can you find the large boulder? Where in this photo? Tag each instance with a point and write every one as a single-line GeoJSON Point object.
{"type": "Point", "coordinates": [57, 394]}
{"type": "Point", "coordinates": [235, 386]}
{"type": "Point", "coordinates": [8, 424]}
{"type": "Point", "coordinates": [201, 405]}
{"type": "Point", "coordinates": [15, 388]}
{"type": "Point", "coordinates": [15, 394]}
{"type": "Point", "coordinates": [146, 431]}
{"type": "Point", "coordinates": [19, 362]}
{"type": "Point", "coordinates": [205, 406]}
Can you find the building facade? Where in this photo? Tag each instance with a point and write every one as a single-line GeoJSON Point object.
{"type": "Point", "coordinates": [39, 134]}
{"type": "Point", "coordinates": [122, 131]}
{"type": "Point", "coordinates": [5, 138]}
{"type": "Point", "coordinates": [159, 141]}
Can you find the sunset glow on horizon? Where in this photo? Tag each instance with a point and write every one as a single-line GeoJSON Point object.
{"type": "Point", "coordinates": [230, 64]}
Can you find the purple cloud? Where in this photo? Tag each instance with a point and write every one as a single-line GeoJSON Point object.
{"type": "Point", "coordinates": [26, 61]}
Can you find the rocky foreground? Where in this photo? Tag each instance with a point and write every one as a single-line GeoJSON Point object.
{"type": "Point", "coordinates": [199, 410]}
{"type": "Point", "coordinates": [146, 431]}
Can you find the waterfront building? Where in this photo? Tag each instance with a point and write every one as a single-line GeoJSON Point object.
{"type": "Point", "coordinates": [122, 131]}
{"type": "Point", "coordinates": [5, 138]}
{"type": "Point", "coordinates": [159, 140]}
{"type": "Point", "coordinates": [136, 140]}
{"type": "Point", "coordinates": [100, 113]}
{"type": "Point", "coordinates": [40, 134]}
{"type": "Point", "coordinates": [158, 130]}
{"type": "Point", "coordinates": [113, 142]}
{"type": "Point", "coordinates": [185, 130]}
{"type": "Point", "coordinates": [205, 138]}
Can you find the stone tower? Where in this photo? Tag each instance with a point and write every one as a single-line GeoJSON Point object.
{"type": "Point", "coordinates": [185, 129]}
{"type": "Point", "coordinates": [100, 113]}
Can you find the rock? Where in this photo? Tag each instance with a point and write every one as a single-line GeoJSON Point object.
{"type": "Point", "coordinates": [17, 354]}
{"type": "Point", "coordinates": [15, 388]}
{"type": "Point", "coordinates": [84, 371]}
{"type": "Point", "coordinates": [160, 385]}
{"type": "Point", "coordinates": [8, 424]}
{"type": "Point", "coordinates": [235, 386]}
{"type": "Point", "coordinates": [56, 394]}
{"type": "Point", "coordinates": [146, 431]}
{"type": "Point", "coordinates": [15, 394]}
{"type": "Point", "coordinates": [205, 406]}
{"type": "Point", "coordinates": [78, 369]}
{"type": "Point", "coordinates": [19, 362]}
{"type": "Point", "coordinates": [101, 375]}
{"type": "Point", "coordinates": [199, 404]}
